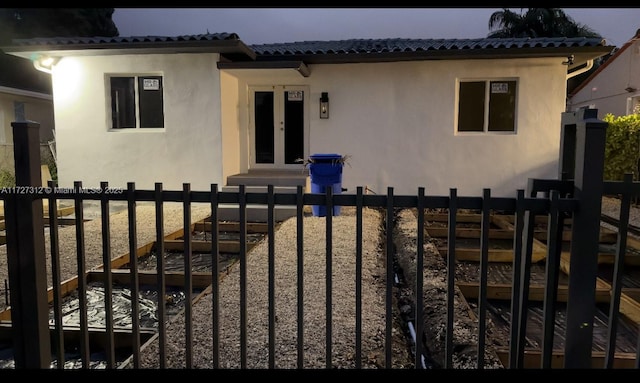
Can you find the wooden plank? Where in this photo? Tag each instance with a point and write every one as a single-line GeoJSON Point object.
{"type": "Point", "coordinates": [460, 217]}
{"type": "Point", "coordinates": [71, 284]}
{"type": "Point", "coordinates": [252, 227]}
{"type": "Point", "coordinates": [442, 232]}
{"type": "Point", "coordinates": [200, 279]}
{"type": "Point", "coordinates": [628, 306]}
{"type": "Point", "coordinates": [502, 291]}
{"type": "Point", "coordinates": [97, 335]}
{"type": "Point", "coordinates": [538, 247]}
{"type": "Point", "coordinates": [495, 255]}
{"type": "Point", "coordinates": [532, 359]}
{"type": "Point", "coordinates": [205, 246]}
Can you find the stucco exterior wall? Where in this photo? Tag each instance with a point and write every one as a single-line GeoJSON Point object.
{"type": "Point", "coordinates": [187, 150]}
{"type": "Point", "coordinates": [397, 121]}
{"type": "Point", "coordinates": [606, 91]}
{"type": "Point", "coordinates": [231, 131]}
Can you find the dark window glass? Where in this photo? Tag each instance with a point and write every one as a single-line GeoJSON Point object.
{"type": "Point", "coordinates": [264, 128]}
{"type": "Point", "coordinates": [293, 127]}
{"type": "Point", "coordinates": [151, 113]}
{"type": "Point", "coordinates": [123, 102]}
{"type": "Point", "coordinates": [502, 106]}
{"type": "Point", "coordinates": [471, 106]}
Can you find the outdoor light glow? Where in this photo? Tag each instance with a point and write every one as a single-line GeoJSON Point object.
{"type": "Point", "coordinates": [66, 83]}
{"type": "Point", "coordinates": [46, 62]}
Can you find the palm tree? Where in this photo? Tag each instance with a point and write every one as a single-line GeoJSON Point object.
{"type": "Point", "coordinates": [536, 22]}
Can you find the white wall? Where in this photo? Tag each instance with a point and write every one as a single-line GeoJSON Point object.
{"type": "Point", "coordinates": [397, 122]}
{"type": "Point", "coordinates": [188, 149]}
{"type": "Point", "coordinates": [606, 91]}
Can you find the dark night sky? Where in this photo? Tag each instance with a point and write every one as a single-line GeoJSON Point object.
{"type": "Point", "coordinates": [276, 25]}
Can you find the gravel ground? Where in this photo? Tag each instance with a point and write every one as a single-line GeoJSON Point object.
{"type": "Point", "coordinates": [343, 304]}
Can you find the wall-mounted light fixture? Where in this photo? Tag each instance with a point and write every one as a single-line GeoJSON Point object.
{"type": "Point", "coordinates": [45, 63]}
{"type": "Point", "coordinates": [324, 105]}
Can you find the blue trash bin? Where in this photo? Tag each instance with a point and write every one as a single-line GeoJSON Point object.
{"type": "Point", "coordinates": [325, 170]}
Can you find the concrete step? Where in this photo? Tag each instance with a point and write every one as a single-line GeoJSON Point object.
{"type": "Point", "coordinates": [256, 181]}
{"type": "Point", "coordinates": [268, 177]}
{"type": "Point", "coordinates": [255, 213]}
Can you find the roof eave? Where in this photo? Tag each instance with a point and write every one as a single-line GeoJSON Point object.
{"type": "Point", "coordinates": [581, 55]}
{"type": "Point", "coordinates": [225, 47]}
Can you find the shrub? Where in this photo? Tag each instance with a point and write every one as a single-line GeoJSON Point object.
{"type": "Point", "coordinates": [622, 149]}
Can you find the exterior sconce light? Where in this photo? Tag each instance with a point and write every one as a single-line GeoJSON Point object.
{"type": "Point", "coordinates": [324, 105]}
{"type": "Point", "coordinates": [45, 63]}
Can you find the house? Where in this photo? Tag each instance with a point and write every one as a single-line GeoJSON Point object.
{"type": "Point", "coordinates": [615, 86]}
{"type": "Point", "coordinates": [25, 94]}
{"type": "Point", "coordinates": [435, 113]}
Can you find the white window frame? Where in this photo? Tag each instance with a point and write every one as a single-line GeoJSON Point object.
{"type": "Point", "coordinates": [485, 124]}
{"type": "Point", "coordinates": [137, 126]}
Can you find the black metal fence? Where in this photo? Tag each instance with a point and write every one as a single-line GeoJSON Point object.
{"type": "Point", "coordinates": [576, 196]}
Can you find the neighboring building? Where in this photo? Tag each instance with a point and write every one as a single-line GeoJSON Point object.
{"type": "Point", "coordinates": [438, 113]}
{"type": "Point", "coordinates": [615, 86]}
{"type": "Point", "coordinates": [25, 94]}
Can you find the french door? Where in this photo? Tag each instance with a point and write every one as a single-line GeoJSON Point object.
{"type": "Point", "coordinates": [279, 132]}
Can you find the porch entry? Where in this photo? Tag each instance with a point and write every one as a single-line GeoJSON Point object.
{"type": "Point", "coordinates": [279, 126]}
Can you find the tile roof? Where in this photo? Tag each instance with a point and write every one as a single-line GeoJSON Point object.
{"type": "Point", "coordinates": [360, 46]}
{"type": "Point", "coordinates": [61, 41]}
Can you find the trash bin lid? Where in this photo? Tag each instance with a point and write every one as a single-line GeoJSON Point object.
{"type": "Point", "coordinates": [325, 156]}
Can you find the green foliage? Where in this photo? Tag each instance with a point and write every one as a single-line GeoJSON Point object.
{"type": "Point", "coordinates": [536, 22]}
{"type": "Point", "coordinates": [7, 178]}
{"type": "Point", "coordinates": [622, 149]}
{"type": "Point", "coordinates": [53, 168]}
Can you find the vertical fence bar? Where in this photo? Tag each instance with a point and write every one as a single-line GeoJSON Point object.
{"type": "Point", "coordinates": [359, 205]}
{"type": "Point", "coordinates": [133, 273]}
{"type": "Point", "coordinates": [300, 271]}
{"type": "Point", "coordinates": [272, 272]}
{"type": "Point", "coordinates": [107, 276]}
{"type": "Point", "coordinates": [160, 276]}
{"type": "Point", "coordinates": [56, 278]}
{"type": "Point", "coordinates": [451, 275]}
{"type": "Point", "coordinates": [525, 276]}
{"type": "Point", "coordinates": [188, 281]}
{"type": "Point", "coordinates": [82, 275]}
{"type": "Point", "coordinates": [389, 280]}
{"type": "Point", "coordinates": [419, 321]}
{"type": "Point", "coordinates": [215, 277]}
{"type": "Point", "coordinates": [516, 284]}
{"type": "Point", "coordinates": [242, 205]}
{"type": "Point", "coordinates": [26, 257]}
{"type": "Point", "coordinates": [637, 363]}
{"type": "Point", "coordinates": [555, 229]}
{"type": "Point", "coordinates": [484, 265]}
{"type": "Point", "coordinates": [618, 269]}
{"type": "Point", "coordinates": [588, 185]}
{"type": "Point", "coordinates": [329, 272]}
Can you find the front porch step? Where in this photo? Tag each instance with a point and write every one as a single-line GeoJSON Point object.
{"type": "Point", "coordinates": [255, 213]}
{"type": "Point", "coordinates": [270, 177]}
{"type": "Point", "coordinates": [256, 181]}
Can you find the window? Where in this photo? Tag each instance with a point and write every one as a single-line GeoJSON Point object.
{"type": "Point", "coordinates": [136, 102]}
{"type": "Point", "coordinates": [18, 111]}
{"type": "Point", "coordinates": [487, 106]}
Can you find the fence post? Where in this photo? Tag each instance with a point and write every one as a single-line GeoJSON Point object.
{"type": "Point", "coordinates": [590, 138]}
{"type": "Point", "coordinates": [26, 253]}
